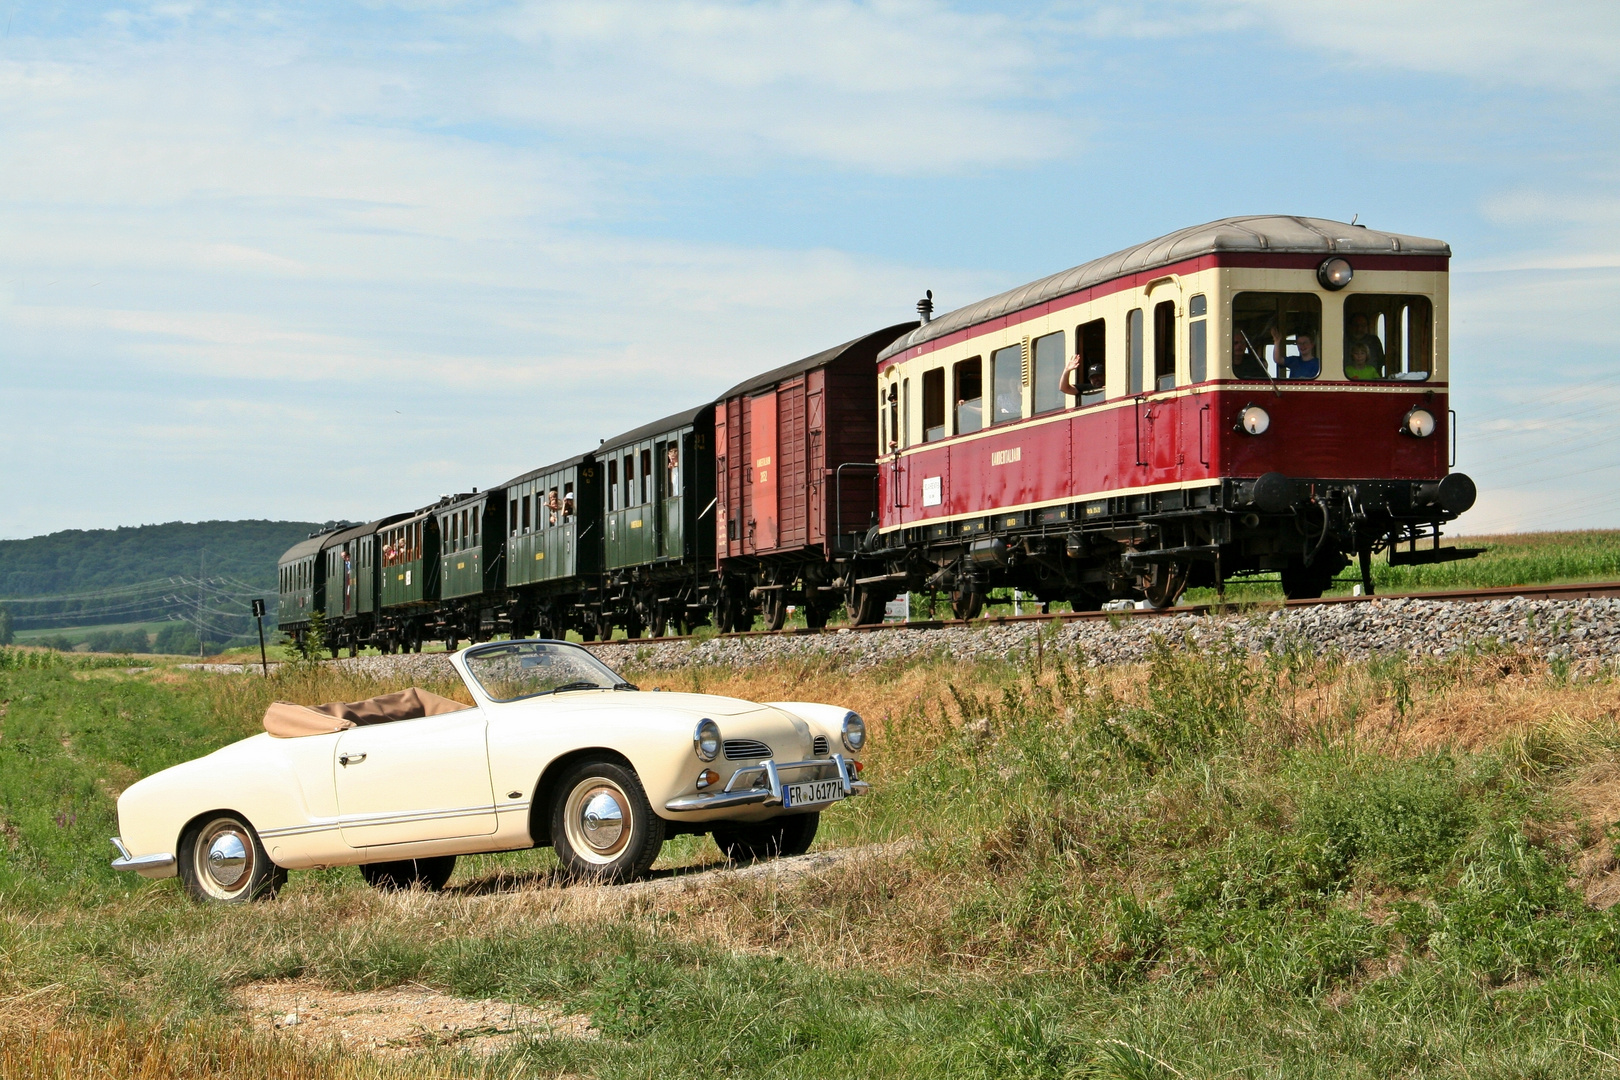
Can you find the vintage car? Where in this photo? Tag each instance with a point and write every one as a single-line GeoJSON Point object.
{"type": "Point", "coordinates": [558, 750]}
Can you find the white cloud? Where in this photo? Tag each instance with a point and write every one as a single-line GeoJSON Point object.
{"type": "Point", "coordinates": [1567, 45]}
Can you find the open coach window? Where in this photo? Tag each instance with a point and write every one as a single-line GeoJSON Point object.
{"type": "Point", "coordinates": [1388, 337]}
{"type": "Point", "coordinates": [933, 404]}
{"type": "Point", "coordinates": [969, 377]}
{"type": "Point", "coordinates": [1276, 335]}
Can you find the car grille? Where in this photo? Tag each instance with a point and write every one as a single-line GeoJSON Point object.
{"type": "Point", "coordinates": [818, 746]}
{"type": "Point", "coordinates": [746, 748]}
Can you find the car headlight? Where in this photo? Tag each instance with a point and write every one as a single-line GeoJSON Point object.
{"type": "Point", "coordinates": [853, 735]}
{"type": "Point", "coordinates": [706, 739]}
{"type": "Point", "coordinates": [1418, 423]}
{"type": "Point", "coordinates": [1254, 420]}
{"type": "Point", "coordinates": [1334, 274]}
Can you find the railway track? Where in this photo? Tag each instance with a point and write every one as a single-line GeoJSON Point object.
{"type": "Point", "coordinates": [1598, 590]}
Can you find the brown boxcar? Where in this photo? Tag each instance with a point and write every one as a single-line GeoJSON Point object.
{"type": "Point", "coordinates": [794, 453]}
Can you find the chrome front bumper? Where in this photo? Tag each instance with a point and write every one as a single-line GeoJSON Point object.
{"type": "Point", "coordinates": [743, 788]}
{"type": "Point", "coordinates": [155, 866]}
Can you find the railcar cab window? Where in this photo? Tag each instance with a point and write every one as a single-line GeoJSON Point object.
{"type": "Point", "coordinates": [1007, 384]}
{"type": "Point", "coordinates": [968, 378]}
{"type": "Point", "coordinates": [1388, 337]}
{"type": "Point", "coordinates": [933, 405]}
{"type": "Point", "coordinates": [1197, 339]}
{"type": "Point", "coordinates": [1276, 335]}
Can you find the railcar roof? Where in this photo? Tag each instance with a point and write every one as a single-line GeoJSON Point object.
{"type": "Point", "coordinates": [532, 474]}
{"type": "Point", "coordinates": [875, 340]}
{"type": "Point", "coordinates": [335, 538]}
{"type": "Point", "coordinates": [303, 549]}
{"type": "Point", "coordinates": [657, 427]}
{"type": "Point", "coordinates": [1267, 233]}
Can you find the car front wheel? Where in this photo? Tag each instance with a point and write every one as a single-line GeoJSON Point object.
{"type": "Point", "coordinates": [768, 839]}
{"type": "Point", "coordinates": [222, 861]}
{"type": "Point", "coordinates": [430, 874]}
{"type": "Point", "coordinates": [602, 825]}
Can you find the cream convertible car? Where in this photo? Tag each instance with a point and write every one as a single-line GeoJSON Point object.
{"type": "Point", "coordinates": [558, 750]}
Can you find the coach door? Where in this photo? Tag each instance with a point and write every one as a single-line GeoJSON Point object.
{"type": "Point", "coordinates": [762, 424]}
{"type": "Point", "coordinates": [671, 471]}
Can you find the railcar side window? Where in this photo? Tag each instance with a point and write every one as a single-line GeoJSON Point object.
{"type": "Point", "coordinates": [969, 378]}
{"type": "Point", "coordinates": [1197, 339]}
{"type": "Point", "coordinates": [1133, 346]}
{"type": "Point", "coordinates": [613, 484]}
{"type": "Point", "coordinates": [672, 470]}
{"type": "Point", "coordinates": [1276, 335]}
{"type": "Point", "coordinates": [474, 515]}
{"type": "Point", "coordinates": [646, 475]}
{"type": "Point", "coordinates": [1048, 373]}
{"type": "Point", "coordinates": [1007, 382]}
{"type": "Point", "coordinates": [1388, 337]}
{"type": "Point", "coordinates": [1164, 345]}
{"type": "Point", "coordinates": [568, 501]}
{"type": "Point", "coordinates": [630, 479]}
{"type": "Point", "coordinates": [933, 405]}
{"type": "Point", "coordinates": [1091, 360]}
{"type": "Point", "coordinates": [905, 412]}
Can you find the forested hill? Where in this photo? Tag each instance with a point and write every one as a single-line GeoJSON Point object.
{"type": "Point", "coordinates": [94, 567]}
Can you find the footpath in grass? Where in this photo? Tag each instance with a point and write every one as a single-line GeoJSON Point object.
{"type": "Point", "coordinates": [1209, 865]}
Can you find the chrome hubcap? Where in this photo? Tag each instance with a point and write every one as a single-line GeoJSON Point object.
{"type": "Point", "coordinates": [603, 820]}
{"type": "Point", "coordinates": [227, 859]}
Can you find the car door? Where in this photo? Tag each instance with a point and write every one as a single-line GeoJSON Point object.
{"type": "Point", "coordinates": [415, 780]}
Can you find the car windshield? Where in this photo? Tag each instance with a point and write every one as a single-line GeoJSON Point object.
{"type": "Point", "coordinates": [520, 669]}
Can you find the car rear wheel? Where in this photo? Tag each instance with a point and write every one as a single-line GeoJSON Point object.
{"type": "Point", "coordinates": [222, 861]}
{"type": "Point", "coordinates": [428, 874]}
{"type": "Point", "coordinates": [602, 825]}
{"type": "Point", "coordinates": [767, 839]}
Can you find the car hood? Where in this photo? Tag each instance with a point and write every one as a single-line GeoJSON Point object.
{"type": "Point", "coordinates": [786, 733]}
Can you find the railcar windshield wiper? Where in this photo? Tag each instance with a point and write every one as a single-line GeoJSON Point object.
{"type": "Point", "coordinates": [1261, 361]}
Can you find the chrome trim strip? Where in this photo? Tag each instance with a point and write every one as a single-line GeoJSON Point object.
{"type": "Point", "coordinates": [139, 863]}
{"type": "Point", "coordinates": [349, 821]}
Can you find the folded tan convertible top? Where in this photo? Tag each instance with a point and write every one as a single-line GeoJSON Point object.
{"type": "Point", "coordinates": [285, 720]}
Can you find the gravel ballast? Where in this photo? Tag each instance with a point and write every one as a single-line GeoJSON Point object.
{"type": "Point", "coordinates": [1584, 632]}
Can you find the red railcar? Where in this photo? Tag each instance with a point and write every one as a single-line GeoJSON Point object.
{"type": "Point", "coordinates": [1256, 394]}
{"type": "Point", "coordinates": [796, 482]}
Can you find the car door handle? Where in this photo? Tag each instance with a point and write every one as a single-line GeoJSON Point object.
{"type": "Point", "coordinates": [350, 759]}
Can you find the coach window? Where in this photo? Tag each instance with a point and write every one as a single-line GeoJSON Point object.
{"type": "Point", "coordinates": [1091, 357]}
{"type": "Point", "coordinates": [1007, 384]}
{"type": "Point", "coordinates": [893, 418]}
{"type": "Point", "coordinates": [630, 480]}
{"type": "Point", "coordinates": [1048, 373]}
{"type": "Point", "coordinates": [933, 405]}
{"type": "Point", "coordinates": [1197, 339]}
{"type": "Point", "coordinates": [474, 515]}
{"type": "Point", "coordinates": [1276, 335]}
{"type": "Point", "coordinates": [646, 475]}
{"type": "Point", "coordinates": [883, 423]}
{"type": "Point", "coordinates": [1388, 337]}
{"type": "Point", "coordinates": [1133, 346]}
{"type": "Point", "coordinates": [905, 412]}
{"type": "Point", "coordinates": [1164, 345]}
{"type": "Point", "coordinates": [613, 484]}
{"type": "Point", "coordinates": [969, 389]}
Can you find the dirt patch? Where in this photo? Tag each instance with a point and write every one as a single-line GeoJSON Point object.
{"type": "Point", "coordinates": [401, 1019]}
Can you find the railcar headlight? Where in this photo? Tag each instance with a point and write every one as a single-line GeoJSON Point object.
{"type": "Point", "coordinates": [706, 739]}
{"type": "Point", "coordinates": [1418, 423]}
{"type": "Point", "coordinates": [1334, 274]}
{"type": "Point", "coordinates": [1254, 420]}
{"type": "Point", "coordinates": [853, 734]}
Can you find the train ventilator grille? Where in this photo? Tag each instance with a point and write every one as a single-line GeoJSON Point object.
{"type": "Point", "coordinates": [818, 746]}
{"type": "Point", "coordinates": [737, 749]}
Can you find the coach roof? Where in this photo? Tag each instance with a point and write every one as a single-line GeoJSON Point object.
{"type": "Point", "coordinates": [658, 427]}
{"type": "Point", "coordinates": [1268, 234]}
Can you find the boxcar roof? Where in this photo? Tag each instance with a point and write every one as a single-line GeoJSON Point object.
{"type": "Point", "coordinates": [657, 427]}
{"type": "Point", "coordinates": [1261, 233]}
{"type": "Point", "coordinates": [543, 470]}
{"type": "Point", "coordinates": [874, 341]}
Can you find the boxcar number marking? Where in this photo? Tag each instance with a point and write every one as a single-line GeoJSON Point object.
{"type": "Point", "coordinates": [931, 491]}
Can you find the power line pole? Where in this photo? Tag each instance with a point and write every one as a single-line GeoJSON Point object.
{"type": "Point", "coordinates": [201, 555]}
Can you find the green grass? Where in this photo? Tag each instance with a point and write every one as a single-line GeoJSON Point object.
{"type": "Point", "coordinates": [1205, 868]}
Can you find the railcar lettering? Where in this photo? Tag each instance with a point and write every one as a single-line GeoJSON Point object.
{"type": "Point", "coordinates": [1006, 457]}
{"type": "Point", "coordinates": [932, 495]}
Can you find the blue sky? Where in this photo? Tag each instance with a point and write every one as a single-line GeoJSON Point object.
{"type": "Point", "coordinates": [315, 261]}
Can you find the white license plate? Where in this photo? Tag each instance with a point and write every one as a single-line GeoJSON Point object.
{"type": "Point", "coordinates": [816, 791]}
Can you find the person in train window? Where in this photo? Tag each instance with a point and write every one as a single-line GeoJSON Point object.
{"type": "Point", "coordinates": [1093, 378]}
{"type": "Point", "coordinates": [553, 505]}
{"type": "Point", "coordinates": [1360, 364]}
{"type": "Point", "coordinates": [1304, 366]}
{"type": "Point", "coordinates": [672, 465]}
{"type": "Point", "coordinates": [1357, 331]}
{"type": "Point", "coordinates": [1246, 360]}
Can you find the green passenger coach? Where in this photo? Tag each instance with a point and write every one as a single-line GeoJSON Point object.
{"type": "Point", "coordinates": [553, 547]}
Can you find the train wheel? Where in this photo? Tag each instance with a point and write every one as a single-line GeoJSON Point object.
{"type": "Point", "coordinates": [865, 605]}
{"type": "Point", "coordinates": [1085, 601]}
{"type": "Point", "coordinates": [1301, 582]}
{"type": "Point", "coordinates": [774, 609]}
{"type": "Point", "coordinates": [966, 601]}
{"type": "Point", "coordinates": [1165, 585]}
{"type": "Point", "coordinates": [815, 616]}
